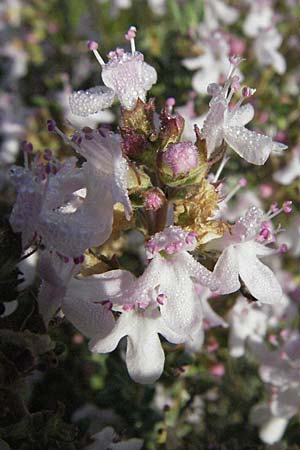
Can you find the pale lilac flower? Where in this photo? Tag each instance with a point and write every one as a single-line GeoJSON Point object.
{"type": "Point", "coordinates": [249, 322]}
{"type": "Point", "coordinates": [190, 120]}
{"type": "Point", "coordinates": [228, 124]}
{"type": "Point", "coordinates": [56, 273]}
{"type": "Point", "coordinates": [161, 301]}
{"type": "Point", "coordinates": [266, 51]}
{"type": "Point", "coordinates": [291, 171]}
{"type": "Point", "coordinates": [62, 208]}
{"type": "Point", "coordinates": [240, 259]}
{"type": "Point", "coordinates": [280, 369]}
{"type": "Point", "coordinates": [106, 440]}
{"type": "Point", "coordinates": [216, 11]}
{"type": "Point", "coordinates": [125, 75]}
{"type": "Point", "coordinates": [212, 64]}
{"type": "Point", "coordinates": [259, 17]}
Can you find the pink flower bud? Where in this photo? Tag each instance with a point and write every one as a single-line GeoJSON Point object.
{"type": "Point", "coordinates": [217, 370]}
{"type": "Point", "coordinates": [242, 182]}
{"type": "Point", "coordinates": [265, 190]}
{"type": "Point", "coordinates": [181, 157]}
{"type": "Point", "coordinates": [154, 199]}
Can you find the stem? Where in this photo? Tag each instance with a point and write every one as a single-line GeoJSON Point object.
{"type": "Point", "coordinates": [160, 218]}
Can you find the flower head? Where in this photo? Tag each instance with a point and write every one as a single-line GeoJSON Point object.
{"type": "Point", "coordinates": [240, 258]}
{"type": "Point", "coordinates": [125, 75]}
{"type": "Point", "coordinates": [228, 123]}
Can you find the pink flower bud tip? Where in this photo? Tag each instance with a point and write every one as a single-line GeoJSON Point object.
{"type": "Point", "coordinates": [153, 200]}
{"type": "Point", "coordinates": [265, 190]}
{"type": "Point", "coordinates": [217, 370]}
{"type": "Point", "coordinates": [242, 182]}
{"type": "Point", "coordinates": [92, 45]}
{"type": "Point", "coordinates": [273, 339]}
{"type": "Point", "coordinates": [181, 157]}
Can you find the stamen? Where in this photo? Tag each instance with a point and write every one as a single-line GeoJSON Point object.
{"type": "Point", "coordinates": [242, 182]}
{"type": "Point", "coordinates": [93, 46]}
{"type": "Point", "coordinates": [51, 125]}
{"type": "Point", "coordinates": [274, 210]}
{"type": "Point", "coordinates": [248, 92]}
{"type": "Point", "coordinates": [26, 148]}
{"type": "Point", "coordinates": [221, 167]}
{"type": "Point", "coordinates": [130, 36]}
{"type": "Point", "coordinates": [170, 103]}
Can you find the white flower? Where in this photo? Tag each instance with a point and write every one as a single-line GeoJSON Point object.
{"type": "Point", "coordinates": [280, 369]}
{"type": "Point", "coordinates": [218, 10]}
{"type": "Point", "coordinates": [161, 301]}
{"type": "Point", "coordinates": [125, 75]}
{"type": "Point", "coordinates": [105, 440]}
{"type": "Point", "coordinates": [266, 47]}
{"type": "Point", "coordinates": [190, 120]}
{"type": "Point", "coordinates": [240, 259]}
{"type": "Point", "coordinates": [247, 320]}
{"type": "Point", "coordinates": [228, 124]}
{"type": "Point", "coordinates": [210, 65]}
{"type": "Point", "coordinates": [260, 17]}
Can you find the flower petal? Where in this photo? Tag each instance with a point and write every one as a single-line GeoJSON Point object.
{"type": "Point", "coordinates": [253, 147]}
{"type": "Point", "coordinates": [145, 357]}
{"type": "Point", "coordinates": [90, 318]}
{"type": "Point", "coordinates": [213, 127]}
{"type": "Point", "coordinates": [241, 116]}
{"type": "Point", "coordinates": [226, 271]}
{"type": "Point", "coordinates": [84, 103]}
{"type": "Point", "coordinates": [259, 279]}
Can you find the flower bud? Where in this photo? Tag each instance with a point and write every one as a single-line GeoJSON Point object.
{"type": "Point", "coordinates": [181, 157]}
